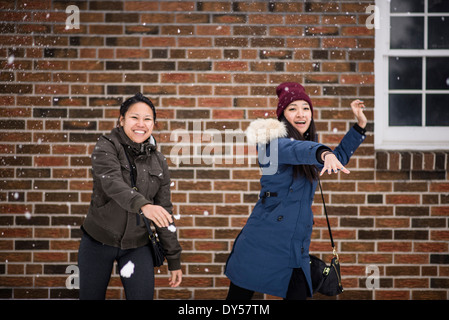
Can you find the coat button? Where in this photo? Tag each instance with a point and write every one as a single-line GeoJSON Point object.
{"type": "Point", "coordinates": [280, 218]}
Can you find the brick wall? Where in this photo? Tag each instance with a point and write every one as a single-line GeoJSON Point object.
{"type": "Point", "coordinates": [210, 67]}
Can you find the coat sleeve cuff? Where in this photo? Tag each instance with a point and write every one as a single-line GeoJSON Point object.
{"type": "Point", "coordinates": [320, 151]}
{"type": "Point", "coordinates": [359, 129]}
{"type": "Point", "coordinates": [174, 264]}
{"type": "Point", "coordinates": [139, 203]}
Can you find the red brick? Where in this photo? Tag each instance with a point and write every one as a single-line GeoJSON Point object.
{"type": "Point", "coordinates": [231, 66]}
{"type": "Point", "coordinates": [158, 42]}
{"type": "Point", "coordinates": [219, 63]}
{"type": "Point", "coordinates": [132, 53]}
{"type": "Point", "coordinates": [392, 295]}
{"type": "Point", "coordinates": [177, 78]}
{"type": "Point", "coordinates": [357, 79]}
{"type": "Point", "coordinates": [394, 246]}
{"type": "Point", "coordinates": [412, 258]}
{"type": "Point", "coordinates": [439, 186]}
{"type": "Point", "coordinates": [215, 102]}
{"type": "Point", "coordinates": [403, 199]}
{"type": "Point", "coordinates": [51, 161]}
{"type": "Point", "coordinates": [214, 78]}
{"type": "Point", "coordinates": [213, 30]}
{"type": "Point", "coordinates": [440, 211]}
{"type": "Point", "coordinates": [195, 42]}
{"type": "Point", "coordinates": [204, 54]}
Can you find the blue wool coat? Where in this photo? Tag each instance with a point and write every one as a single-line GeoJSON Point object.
{"type": "Point", "coordinates": [277, 235]}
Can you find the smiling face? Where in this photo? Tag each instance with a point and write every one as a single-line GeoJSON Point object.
{"type": "Point", "coordinates": [299, 114]}
{"type": "Point", "coordinates": [138, 122]}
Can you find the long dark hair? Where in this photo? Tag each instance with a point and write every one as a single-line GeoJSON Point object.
{"type": "Point", "coordinates": [303, 170]}
{"type": "Point", "coordinates": [138, 97]}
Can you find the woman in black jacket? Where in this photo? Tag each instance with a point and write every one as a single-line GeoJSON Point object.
{"type": "Point", "coordinates": [114, 229]}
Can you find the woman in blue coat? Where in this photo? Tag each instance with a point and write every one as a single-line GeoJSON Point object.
{"type": "Point", "coordinates": [271, 253]}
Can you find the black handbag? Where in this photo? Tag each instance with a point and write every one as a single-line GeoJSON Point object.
{"type": "Point", "coordinates": [326, 279]}
{"type": "Point", "coordinates": [155, 245]}
{"type": "Point", "coordinates": [157, 250]}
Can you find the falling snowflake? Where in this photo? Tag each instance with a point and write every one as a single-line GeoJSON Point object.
{"type": "Point", "coordinates": [11, 59]}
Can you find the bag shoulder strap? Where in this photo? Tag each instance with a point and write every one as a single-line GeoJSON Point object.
{"type": "Point", "coordinates": [327, 219]}
{"type": "Point", "coordinates": [133, 180]}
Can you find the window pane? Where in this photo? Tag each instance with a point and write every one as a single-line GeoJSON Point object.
{"type": "Point", "coordinates": [437, 74]}
{"type": "Point", "coordinates": [438, 6]}
{"type": "Point", "coordinates": [405, 73]}
{"type": "Point", "coordinates": [404, 110]}
{"type": "Point", "coordinates": [407, 33]}
{"type": "Point", "coordinates": [407, 6]}
{"type": "Point", "coordinates": [438, 33]}
{"type": "Point", "coordinates": [437, 110]}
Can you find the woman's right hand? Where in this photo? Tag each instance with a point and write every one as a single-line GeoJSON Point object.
{"type": "Point", "coordinates": [157, 214]}
{"type": "Point", "coordinates": [331, 164]}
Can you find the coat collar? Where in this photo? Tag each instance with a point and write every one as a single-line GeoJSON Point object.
{"type": "Point", "coordinates": [265, 130]}
{"type": "Point", "coordinates": [137, 148]}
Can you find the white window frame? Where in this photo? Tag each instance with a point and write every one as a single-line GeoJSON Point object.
{"type": "Point", "coordinates": [402, 138]}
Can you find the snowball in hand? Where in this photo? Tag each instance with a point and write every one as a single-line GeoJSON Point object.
{"type": "Point", "coordinates": [172, 228]}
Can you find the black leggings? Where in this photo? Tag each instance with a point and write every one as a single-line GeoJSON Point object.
{"type": "Point", "coordinates": [297, 288]}
{"type": "Point", "coordinates": [95, 262]}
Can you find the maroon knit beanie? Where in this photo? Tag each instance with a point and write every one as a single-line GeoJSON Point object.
{"type": "Point", "coordinates": [288, 92]}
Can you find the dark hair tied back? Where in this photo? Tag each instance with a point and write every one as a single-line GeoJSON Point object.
{"type": "Point", "coordinates": [138, 97]}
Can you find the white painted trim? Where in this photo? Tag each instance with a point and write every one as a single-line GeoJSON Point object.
{"type": "Point", "coordinates": [400, 138]}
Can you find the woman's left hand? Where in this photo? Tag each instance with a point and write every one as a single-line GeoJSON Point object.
{"type": "Point", "coordinates": [175, 278]}
{"type": "Point", "coordinates": [357, 107]}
